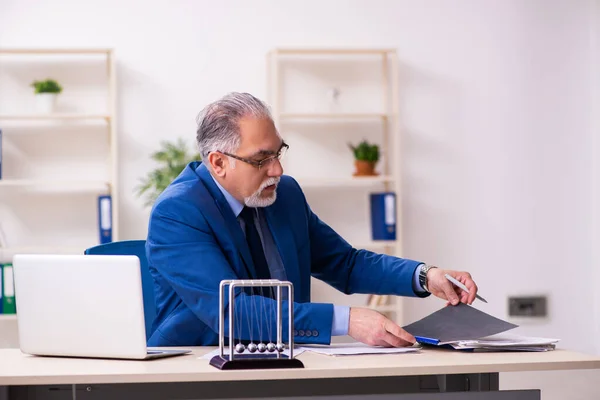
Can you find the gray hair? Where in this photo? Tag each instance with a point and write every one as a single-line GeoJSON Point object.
{"type": "Point", "coordinates": [218, 128]}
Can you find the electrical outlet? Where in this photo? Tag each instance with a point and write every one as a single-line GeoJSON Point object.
{"type": "Point", "coordinates": [527, 306]}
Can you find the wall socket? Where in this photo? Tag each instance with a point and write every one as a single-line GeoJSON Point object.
{"type": "Point", "coordinates": [527, 306]}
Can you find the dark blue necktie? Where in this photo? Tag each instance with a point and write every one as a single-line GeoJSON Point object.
{"type": "Point", "coordinates": [255, 245]}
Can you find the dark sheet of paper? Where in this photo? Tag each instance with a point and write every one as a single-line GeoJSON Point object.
{"type": "Point", "coordinates": [461, 322]}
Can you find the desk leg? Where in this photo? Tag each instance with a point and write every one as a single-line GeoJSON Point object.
{"type": "Point", "coordinates": [459, 383]}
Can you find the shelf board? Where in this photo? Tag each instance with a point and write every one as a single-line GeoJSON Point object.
{"type": "Point", "coordinates": [43, 250]}
{"type": "Point", "coordinates": [344, 181]}
{"type": "Point", "coordinates": [8, 317]}
{"type": "Point", "coordinates": [53, 117]}
{"type": "Point", "coordinates": [333, 116]}
{"type": "Point", "coordinates": [55, 51]}
{"type": "Point", "coordinates": [73, 186]}
{"type": "Point", "coordinates": [7, 253]}
{"type": "Point", "coordinates": [332, 51]}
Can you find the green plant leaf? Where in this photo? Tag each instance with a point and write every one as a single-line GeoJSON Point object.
{"type": "Point", "coordinates": [365, 151]}
{"type": "Point", "coordinates": [172, 158]}
{"type": "Point", "coordinates": [46, 86]}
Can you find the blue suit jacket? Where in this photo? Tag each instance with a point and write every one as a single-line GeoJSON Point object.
{"type": "Point", "coordinates": [194, 241]}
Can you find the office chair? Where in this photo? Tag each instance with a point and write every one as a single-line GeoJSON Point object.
{"type": "Point", "coordinates": [136, 248]}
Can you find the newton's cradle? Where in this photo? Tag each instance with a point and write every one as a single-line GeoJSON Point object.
{"type": "Point", "coordinates": [270, 351]}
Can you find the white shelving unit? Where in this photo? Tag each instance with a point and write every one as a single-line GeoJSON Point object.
{"type": "Point", "coordinates": [55, 165]}
{"type": "Point", "coordinates": [74, 130]}
{"type": "Point", "coordinates": [315, 128]}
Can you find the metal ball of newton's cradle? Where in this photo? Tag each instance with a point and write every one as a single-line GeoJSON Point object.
{"type": "Point", "coordinates": [280, 347]}
{"type": "Point", "coordinates": [271, 347]}
{"type": "Point", "coordinates": [252, 347]}
{"type": "Point", "coordinates": [262, 347]}
{"type": "Point", "coordinates": [240, 348]}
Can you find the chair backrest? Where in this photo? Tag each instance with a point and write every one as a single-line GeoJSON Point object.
{"type": "Point", "coordinates": [136, 248]}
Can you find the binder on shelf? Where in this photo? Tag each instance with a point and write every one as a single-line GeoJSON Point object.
{"type": "Point", "coordinates": [105, 218]}
{"type": "Point", "coordinates": [9, 306]}
{"type": "Point", "coordinates": [383, 216]}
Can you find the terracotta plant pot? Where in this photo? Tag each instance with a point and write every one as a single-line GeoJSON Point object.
{"type": "Point", "coordinates": [364, 168]}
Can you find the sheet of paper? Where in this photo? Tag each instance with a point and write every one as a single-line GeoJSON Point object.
{"type": "Point", "coordinates": [216, 352]}
{"type": "Point", "coordinates": [348, 349]}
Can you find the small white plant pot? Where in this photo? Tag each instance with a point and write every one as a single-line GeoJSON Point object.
{"type": "Point", "coordinates": [45, 103]}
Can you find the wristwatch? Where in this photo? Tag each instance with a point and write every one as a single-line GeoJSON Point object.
{"type": "Point", "coordinates": [423, 275]}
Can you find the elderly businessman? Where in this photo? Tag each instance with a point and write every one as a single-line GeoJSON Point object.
{"type": "Point", "coordinates": [236, 216]}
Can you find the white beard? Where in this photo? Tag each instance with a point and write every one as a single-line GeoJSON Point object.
{"type": "Point", "coordinates": [256, 201]}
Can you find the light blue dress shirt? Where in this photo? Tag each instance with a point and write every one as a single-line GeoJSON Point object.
{"type": "Point", "coordinates": [341, 314]}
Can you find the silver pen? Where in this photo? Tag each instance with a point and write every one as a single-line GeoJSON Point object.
{"type": "Point", "coordinates": [463, 287]}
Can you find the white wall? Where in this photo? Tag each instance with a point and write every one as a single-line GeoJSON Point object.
{"type": "Point", "coordinates": [499, 158]}
{"type": "Point", "coordinates": [497, 123]}
{"type": "Point", "coordinates": [595, 45]}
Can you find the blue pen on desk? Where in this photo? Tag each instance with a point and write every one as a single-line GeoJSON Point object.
{"type": "Point", "coordinates": [463, 287]}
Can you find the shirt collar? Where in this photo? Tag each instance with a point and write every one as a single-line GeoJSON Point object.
{"type": "Point", "coordinates": [235, 205]}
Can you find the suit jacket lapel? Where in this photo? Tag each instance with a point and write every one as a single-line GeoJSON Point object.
{"type": "Point", "coordinates": [229, 219]}
{"type": "Point", "coordinates": [284, 239]}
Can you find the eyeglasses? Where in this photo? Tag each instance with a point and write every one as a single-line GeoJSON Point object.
{"type": "Point", "coordinates": [265, 162]}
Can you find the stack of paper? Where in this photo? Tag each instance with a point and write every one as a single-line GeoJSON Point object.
{"type": "Point", "coordinates": [505, 342]}
{"type": "Point", "coordinates": [355, 348]}
{"type": "Point", "coordinates": [463, 327]}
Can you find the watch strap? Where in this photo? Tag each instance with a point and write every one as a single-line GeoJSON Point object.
{"type": "Point", "coordinates": [423, 276]}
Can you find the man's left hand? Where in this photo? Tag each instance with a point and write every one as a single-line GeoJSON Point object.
{"type": "Point", "coordinates": [441, 287]}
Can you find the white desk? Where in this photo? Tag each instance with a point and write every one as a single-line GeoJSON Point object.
{"type": "Point", "coordinates": [429, 371]}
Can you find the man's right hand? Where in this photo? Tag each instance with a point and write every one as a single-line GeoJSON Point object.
{"type": "Point", "coordinates": [372, 328]}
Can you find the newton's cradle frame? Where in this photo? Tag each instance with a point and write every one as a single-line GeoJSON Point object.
{"type": "Point", "coordinates": [261, 355]}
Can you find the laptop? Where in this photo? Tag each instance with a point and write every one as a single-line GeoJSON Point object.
{"type": "Point", "coordinates": [82, 306]}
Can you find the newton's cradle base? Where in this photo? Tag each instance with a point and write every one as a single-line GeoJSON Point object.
{"type": "Point", "coordinates": [255, 362]}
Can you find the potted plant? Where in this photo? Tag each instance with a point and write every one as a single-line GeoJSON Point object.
{"type": "Point", "coordinates": [46, 92]}
{"type": "Point", "coordinates": [172, 157]}
{"type": "Point", "coordinates": [366, 156]}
